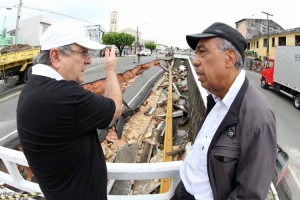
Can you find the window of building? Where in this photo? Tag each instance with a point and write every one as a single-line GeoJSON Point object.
{"type": "Point", "coordinates": [265, 42]}
{"type": "Point", "coordinates": [297, 40]}
{"type": "Point", "coordinates": [44, 28]}
{"type": "Point", "coordinates": [273, 42]}
{"type": "Point", "coordinates": [282, 41]}
{"type": "Point", "coordinates": [257, 44]}
{"type": "Point", "coordinates": [12, 33]}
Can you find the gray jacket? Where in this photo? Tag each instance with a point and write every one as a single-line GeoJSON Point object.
{"type": "Point", "coordinates": [242, 154]}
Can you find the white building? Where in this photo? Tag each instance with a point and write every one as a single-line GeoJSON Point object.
{"type": "Point", "coordinates": [32, 29]}
{"type": "Point", "coordinates": [96, 32]}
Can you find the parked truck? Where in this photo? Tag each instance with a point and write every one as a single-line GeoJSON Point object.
{"type": "Point", "coordinates": [283, 73]}
{"type": "Point", "coordinates": [16, 62]}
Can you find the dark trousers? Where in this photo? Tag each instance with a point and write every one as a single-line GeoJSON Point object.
{"type": "Point", "coordinates": [181, 193]}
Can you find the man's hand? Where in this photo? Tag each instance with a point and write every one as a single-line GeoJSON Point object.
{"type": "Point", "coordinates": [112, 88]}
{"type": "Point", "coordinates": [110, 59]}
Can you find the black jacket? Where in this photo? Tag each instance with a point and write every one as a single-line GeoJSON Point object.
{"type": "Point", "coordinates": [242, 154]}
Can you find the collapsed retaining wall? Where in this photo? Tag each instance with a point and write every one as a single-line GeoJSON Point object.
{"type": "Point", "coordinates": [196, 104]}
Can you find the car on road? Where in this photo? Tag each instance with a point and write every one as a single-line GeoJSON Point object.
{"type": "Point", "coordinates": [145, 52]}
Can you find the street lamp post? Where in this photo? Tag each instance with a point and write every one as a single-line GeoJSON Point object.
{"type": "Point", "coordinates": [268, 31]}
{"type": "Point", "coordinates": [7, 8]}
{"type": "Point", "coordinates": [137, 37]}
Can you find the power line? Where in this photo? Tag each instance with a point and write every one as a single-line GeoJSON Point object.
{"type": "Point", "coordinates": [52, 12]}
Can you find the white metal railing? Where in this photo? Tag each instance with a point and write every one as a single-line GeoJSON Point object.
{"type": "Point", "coordinates": [13, 178]}
{"type": "Point", "coordinates": [116, 171]}
{"type": "Point", "coordinates": [143, 171]}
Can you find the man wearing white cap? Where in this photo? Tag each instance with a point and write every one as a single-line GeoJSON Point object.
{"type": "Point", "coordinates": [57, 118]}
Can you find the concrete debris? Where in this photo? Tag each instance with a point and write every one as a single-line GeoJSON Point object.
{"type": "Point", "coordinates": [126, 154]}
{"type": "Point", "coordinates": [161, 126]}
{"type": "Point", "coordinates": [138, 135]}
{"type": "Point", "coordinates": [161, 102]}
{"type": "Point", "coordinates": [119, 126]}
{"type": "Point", "coordinates": [176, 90]}
{"type": "Point", "coordinates": [182, 68]}
{"type": "Point", "coordinates": [150, 111]}
{"type": "Point", "coordinates": [181, 107]}
{"type": "Point", "coordinates": [177, 113]}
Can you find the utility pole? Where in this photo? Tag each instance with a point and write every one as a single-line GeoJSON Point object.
{"type": "Point", "coordinates": [17, 23]}
{"type": "Point", "coordinates": [268, 14]}
{"type": "Point", "coordinates": [137, 39]}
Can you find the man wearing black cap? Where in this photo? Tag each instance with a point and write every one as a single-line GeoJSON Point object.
{"type": "Point", "coordinates": [234, 152]}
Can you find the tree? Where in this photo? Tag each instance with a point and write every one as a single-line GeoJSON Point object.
{"type": "Point", "coordinates": [150, 45]}
{"type": "Point", "coordinates": [120, 40]}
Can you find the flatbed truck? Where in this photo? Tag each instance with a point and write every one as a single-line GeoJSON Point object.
{"type": "Point", "coordinates": [17, 64]}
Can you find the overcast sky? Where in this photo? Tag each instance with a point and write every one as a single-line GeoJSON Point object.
{"type": "Point", "coordinates": [164, 21]}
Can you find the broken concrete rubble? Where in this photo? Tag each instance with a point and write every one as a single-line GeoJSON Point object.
{"type": "Point", "coordinates": [144, 110]}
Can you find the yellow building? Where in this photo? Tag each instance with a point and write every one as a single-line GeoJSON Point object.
{"type": "Point", "coordinates": [256, 33]}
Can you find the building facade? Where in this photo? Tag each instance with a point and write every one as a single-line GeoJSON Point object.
{"type": "Point", "coordinates": [250, 28]}
{"type": "Point", "coordinates": [139, 41]}
{"type": "Point", "coordinates": [31, 29]}
{"type": "Point", "coordinates": [96, 32]}
{"type": "Point", "coordinates": [263, 36]}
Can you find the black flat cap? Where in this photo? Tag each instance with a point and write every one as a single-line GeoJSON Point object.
{"type": "Point", "coordinates": [220, 30]}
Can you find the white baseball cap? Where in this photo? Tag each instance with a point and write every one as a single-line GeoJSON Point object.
{"type": "Point", "coordinates": [66, 32]}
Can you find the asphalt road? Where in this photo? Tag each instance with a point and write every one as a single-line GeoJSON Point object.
{"type": "Point", "coordinates": [288, 131]}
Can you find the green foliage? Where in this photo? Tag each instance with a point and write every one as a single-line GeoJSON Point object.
{"type": "Point", "coordinates": [150, 45]}
{"type": "Point", "coordinates": [120, 40]}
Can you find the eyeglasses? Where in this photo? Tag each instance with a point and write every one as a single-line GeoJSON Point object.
{"type": "Point", "coordinates": [84, 53]}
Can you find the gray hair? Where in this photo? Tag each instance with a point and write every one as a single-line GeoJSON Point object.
{"type": "Point", "coordinates": [226, 45]}
{"type": "Point", "coordinates": [44, 58]}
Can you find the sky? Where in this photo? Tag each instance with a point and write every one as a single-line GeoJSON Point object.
{"type": "Point", "coordinates": [164, 21]}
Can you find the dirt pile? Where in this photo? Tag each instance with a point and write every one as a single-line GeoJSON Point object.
{"type": "Point", "coordinates": [14, 48]}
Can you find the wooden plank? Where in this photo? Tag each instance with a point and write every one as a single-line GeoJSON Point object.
{"type": "Point", "coordinates": [168, 139]}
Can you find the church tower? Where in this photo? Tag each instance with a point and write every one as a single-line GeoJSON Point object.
{"type": "Point", "coordinates": [114, 21]}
